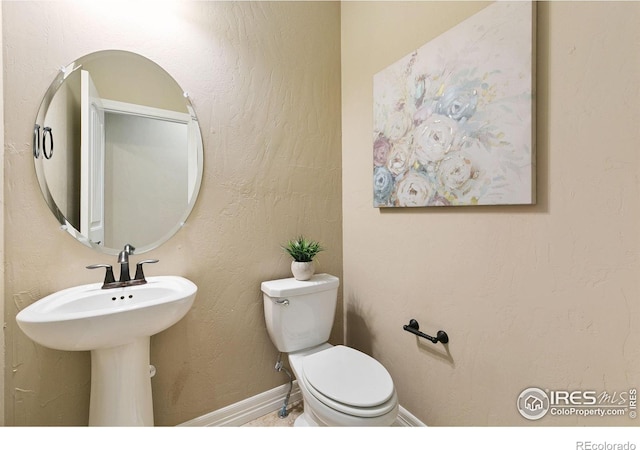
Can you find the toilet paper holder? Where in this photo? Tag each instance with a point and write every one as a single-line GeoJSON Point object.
{"type": "Point", "coordinates": [414, 327]}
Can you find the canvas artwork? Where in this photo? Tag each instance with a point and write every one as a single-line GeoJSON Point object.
{"type": "Point", "coordinates": [453, 119]}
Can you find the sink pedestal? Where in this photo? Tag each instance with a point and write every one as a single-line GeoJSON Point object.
{"type": "Point", "coordinates": [121, 385]}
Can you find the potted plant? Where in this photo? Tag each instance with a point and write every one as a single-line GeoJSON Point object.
{"type": "Point", "coordinates": [302, 251]}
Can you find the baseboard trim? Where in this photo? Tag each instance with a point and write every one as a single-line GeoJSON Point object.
{"type": "Point", "coordinates": [247, 410]}
{"type": "Point", "coordinates": [267, 402]}
{"type": "Point", "coordinates": [406, 419]}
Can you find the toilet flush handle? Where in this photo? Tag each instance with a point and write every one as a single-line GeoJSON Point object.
{"type": "Point", "coordinates": [283, 302]}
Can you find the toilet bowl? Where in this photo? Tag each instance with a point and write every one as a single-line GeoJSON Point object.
{"type": "Point", "coordinates": [340, 386]}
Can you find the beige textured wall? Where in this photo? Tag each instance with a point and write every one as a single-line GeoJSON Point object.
{"type": "Point", "coordinates": [543, 296]}
{"type": "Point", "coordinates": [265, 81]}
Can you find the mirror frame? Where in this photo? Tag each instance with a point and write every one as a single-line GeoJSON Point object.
{"type": "Point", "coordinates": [39, 158]}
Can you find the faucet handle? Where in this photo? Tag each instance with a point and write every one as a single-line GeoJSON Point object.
{"type": "Point", "coordinates": [108, 276]}
{"type": "Point", "coordinates": [139, 273]}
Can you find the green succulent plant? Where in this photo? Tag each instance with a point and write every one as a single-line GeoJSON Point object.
{"type": "Point", "coordinates": [302, 249]}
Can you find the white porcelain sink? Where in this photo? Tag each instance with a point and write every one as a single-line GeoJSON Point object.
{"type": "Point", "coordinates": [116, 326]}
{"type": "Point", "coordinates": [88, 317]}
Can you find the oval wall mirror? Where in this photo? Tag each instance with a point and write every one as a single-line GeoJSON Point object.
{"type": "Point", "coordinates": [118, 151]}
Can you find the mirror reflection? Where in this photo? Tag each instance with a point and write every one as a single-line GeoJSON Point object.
{"type": "Point", "coordinates": [118, 151]}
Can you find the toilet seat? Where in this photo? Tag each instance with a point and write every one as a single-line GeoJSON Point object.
{"type": "Point", "coordinates": [349, 381]}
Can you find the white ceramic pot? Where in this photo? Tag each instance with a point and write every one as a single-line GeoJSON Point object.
{"type": "Point", "coordinates": [302, 271]}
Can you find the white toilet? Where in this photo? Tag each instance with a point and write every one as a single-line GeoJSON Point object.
{"type": "Point", "coordinates": [340, 386]}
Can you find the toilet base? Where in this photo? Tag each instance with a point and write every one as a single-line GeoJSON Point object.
{"type": "Point", "coordinates": [305, 420]}
{"type": "Point", "coordinates": [308, 418]}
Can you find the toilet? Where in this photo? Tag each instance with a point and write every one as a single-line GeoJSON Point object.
{"type": "Point", "coordinates": [340, 386]}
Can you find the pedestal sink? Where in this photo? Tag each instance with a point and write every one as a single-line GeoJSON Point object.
{"type": "Point", "coordinates": [116, 326]}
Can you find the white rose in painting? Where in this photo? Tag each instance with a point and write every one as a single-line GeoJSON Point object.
{"type": "Point", "coordinates": [400, 158]}
{"type": "Point", "coordinates": [414, 189]}
{"type": "Point", "coordinates": [397, 125]}
{"type": "Point", "coordinates": [435, 138]}
{"type": "Point", "coordinates": [455, 173]}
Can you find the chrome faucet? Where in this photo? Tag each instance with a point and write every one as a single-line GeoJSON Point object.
{"type": "Point", "coordinates": [123, 260]}
{"type": "Point", "coordinates": [125, 279]}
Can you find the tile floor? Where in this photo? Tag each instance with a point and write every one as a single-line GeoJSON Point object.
{"type": "Point", "coordinates": [272, 419]}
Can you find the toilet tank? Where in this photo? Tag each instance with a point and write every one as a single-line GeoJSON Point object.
{"type": "Point", "coordinates": [299, 314]}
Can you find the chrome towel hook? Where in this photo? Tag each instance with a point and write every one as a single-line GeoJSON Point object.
{"type": "Point", "coordinates": [47, 131]}
{"type": "Point", "coordinates": [414, 328]}
{"type": "Point", "coordinates": [36, 141]}
{"type": "Point", "coordinates": [47, 141]}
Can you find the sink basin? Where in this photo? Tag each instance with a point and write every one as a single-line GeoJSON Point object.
{"type": "Point", "coordinates": [88, 317]}
{"type": "Point", "coordinates": [116, 325]}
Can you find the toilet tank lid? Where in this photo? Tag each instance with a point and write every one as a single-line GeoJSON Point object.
{"type": "Point", "coordinates": [290, 286]}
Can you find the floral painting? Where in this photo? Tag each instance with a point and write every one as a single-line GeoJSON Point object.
{"type": "Point", "coordinates": [453, 119]}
